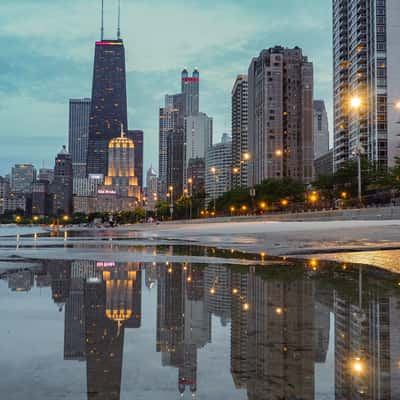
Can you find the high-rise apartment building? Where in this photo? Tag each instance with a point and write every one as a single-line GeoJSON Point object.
{"type": "Point", "coordinates": [321, 129]}
{"type": "Point", "coordinates": [240, 146]}
{"type": "Point", "coordinates": [109, 105]}
{"type": "Point", "coordinates": [218, 169]}
{"type": "Point", "coordinates": [280, 115]}
{"type": "Point", "coordinates": [366, 53]}
{"type": "Point", "coordinates": [79, 114]}
{"type": "Point", "coordinates": [22, 178]}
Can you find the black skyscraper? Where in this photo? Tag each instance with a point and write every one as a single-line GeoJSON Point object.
{"type": "Point", "coordinates": [108, 109]}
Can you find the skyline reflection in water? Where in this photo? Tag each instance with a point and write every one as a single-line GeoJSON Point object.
{"type": "Point", "coordinates": [305, 331]}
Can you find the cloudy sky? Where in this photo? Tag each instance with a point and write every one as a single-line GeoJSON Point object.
{"type": "Point", "coordinates": [48, 48]}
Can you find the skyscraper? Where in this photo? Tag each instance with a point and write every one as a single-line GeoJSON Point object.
{"type": "Point", "coordinates": [109, 106]}
{"type": "Point", "coordinates": [190, 90]}
{"type": "Point", "coordinates": [240, 146]}
{"type": "Point", "coordinates": [61, 188]}
{"type": "Point", "coordinates": [321, 129]}
{"type": "Point", "coordinates": [280, 115]}
{"type": "Point", "coordinates": [79, 114]}
{"type": "Point", "coordinates": [366, 52]}
{"type": "Point", "coordinates": [171, 143]}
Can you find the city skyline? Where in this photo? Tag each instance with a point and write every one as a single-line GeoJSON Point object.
{"type": "Point", "coordinates": [220, 51]}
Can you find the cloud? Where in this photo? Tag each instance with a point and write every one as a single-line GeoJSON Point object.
{"type": "Point", "coordinates": [48, 51]}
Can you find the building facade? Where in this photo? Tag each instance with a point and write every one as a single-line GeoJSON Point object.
{"type": "Point", "coordinates": [22, 178]}
{"type": "Point", "coordinates": [78, 134]}
{"type": "Point", "coordinates": [109, 105]}
{"type": "Point", "coordinates": [280, 115]}
{"type": "Point", "coordinates": [198, 138]}
{"type": "Point", "coordinates": [366, 53]}
{"type": "Point", "coordinates": [121, 177]}
{"type": "Point", "coordinates": [240, 145]}
{"type": "Point", "coordinates": [137, 136]}
{"type": "Point", "coordinates": [321, 129]}
{"type": "Point", "coordinates": [61, 188]}
{"type": "Point", "coordinates": [171, 125]}
{"type": "Point", "coordinates": [218, 169]}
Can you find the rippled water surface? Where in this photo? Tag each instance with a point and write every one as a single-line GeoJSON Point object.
{"type": "Point", "coordinates": [210, 328]}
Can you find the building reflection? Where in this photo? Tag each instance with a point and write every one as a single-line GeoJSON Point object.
{"type": "Point", "coordinates": [283, 323]}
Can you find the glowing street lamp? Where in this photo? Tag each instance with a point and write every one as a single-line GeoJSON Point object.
{"type": "Point", "coordinates": [278, 152]}
{"type": "Point", "coordinates": [246, 156]}
{"type": "Point", "coordinates": [18, 219]}
{"type": "Point", "coordinates": [284, 202]}
{"type": "Point", "coordinates": [263, 205]}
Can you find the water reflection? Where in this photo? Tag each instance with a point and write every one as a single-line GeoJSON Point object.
{"type": "Point", "coordinates": [282, 320]}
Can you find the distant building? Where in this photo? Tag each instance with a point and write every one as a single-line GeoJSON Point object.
{"type": "Point", "coordinates": [22, 178]}
{"type": "Point", "coordinates": [151, 187]}
{"type": "Point", "coordinates": [190, 90]}
{"type": "Point", "coordinates": [61, 188]}
{"type": "Point", "coordinates": [46, 174]}
{"type": "Point", "coordinates": [324, 164]}
{"type": "Point", "coordinates": [280, 116]}
{"type": "Point", "coordinates": [41, 204]}
{"type": "Point", "coordinates": [218, 169]}
{"type": "Point", "coordinates": [197, 174]}
{"type": "Point", "coordinates": [321, 129]}
{"type": "Point", "coordinates": [198, 138]}
{"type": "Point", "coordinates": [87, 186]}
{"type": "Point", "coordinates": [4, 188]}
{"type": "Point", "coordinates": [171, 140]}
{"type": "Point", "coordinates": [79, 115]}
{"type": "Point", "coordinates": [137, 137]}
{"type": "Point", "coordinates": [240, 146]}
{"type": "Point", "coordinates": [16, 202]}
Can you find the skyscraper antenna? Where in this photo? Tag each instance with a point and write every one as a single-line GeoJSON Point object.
{"type": "Point", "coordinates": [119, 20]}
{"type": "Point", "coordinates": [102, 20]}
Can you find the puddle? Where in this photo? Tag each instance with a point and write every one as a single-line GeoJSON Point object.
{"type": "Point", "coordinates": [232, 326]}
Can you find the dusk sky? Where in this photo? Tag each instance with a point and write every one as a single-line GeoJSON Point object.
{"type": "Point", "coordinates": [48, 48]}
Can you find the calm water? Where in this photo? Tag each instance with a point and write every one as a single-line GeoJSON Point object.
{"type": "Point", "coordinates": [118, 330]}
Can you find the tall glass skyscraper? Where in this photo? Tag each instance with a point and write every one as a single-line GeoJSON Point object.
{"type": "Point", "coordinates": [109, 106]}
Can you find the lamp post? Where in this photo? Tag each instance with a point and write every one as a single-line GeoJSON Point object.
{"type": "Point", "coordinates": [214, 172]}
{"type": "Point", "coordinates": [190, 184]}
{"type": "Point", "coordinates": [359, 150]}
{"type": "Point", "coordinates": [171, 201]}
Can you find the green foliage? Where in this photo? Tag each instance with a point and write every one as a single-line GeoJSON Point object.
{"type": "Point", "coordinates": [271, 191]}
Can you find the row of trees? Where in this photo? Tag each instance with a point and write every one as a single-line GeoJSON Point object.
{"type": "Point", "coordinates": [380, 186]}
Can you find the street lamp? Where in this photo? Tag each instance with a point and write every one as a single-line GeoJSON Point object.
{"type": "Point", "coordinates": [355, 104]}
{"type": "Point", "coordinates": [171, 202]}
{"type": "Point", "coordinates": [215, 176]}
{"type": "Point", "coordinates": [190, 184]}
